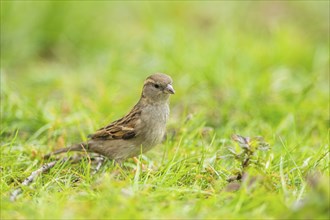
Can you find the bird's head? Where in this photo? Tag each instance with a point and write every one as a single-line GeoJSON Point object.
{"type": "Point", "coordinates": [157, 88]}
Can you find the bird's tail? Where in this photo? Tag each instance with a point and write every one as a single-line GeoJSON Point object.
{"type": "Point", "coordinates": [75, 147]}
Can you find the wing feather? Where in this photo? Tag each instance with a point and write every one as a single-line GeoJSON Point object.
{"type": "Point", "coordinates": [123, 128]}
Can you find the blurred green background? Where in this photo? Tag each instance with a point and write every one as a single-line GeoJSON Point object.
{"type": "Point", "coordinates": [251, 67]}
{"type": "Point", "coordinates": [241, 53]}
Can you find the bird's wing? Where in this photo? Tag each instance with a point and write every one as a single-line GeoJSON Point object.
{"type": "Point", "coordinates": [123, 128]}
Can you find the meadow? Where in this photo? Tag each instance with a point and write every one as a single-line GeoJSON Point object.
{"type": "Point", "coordinates": [253, 68]}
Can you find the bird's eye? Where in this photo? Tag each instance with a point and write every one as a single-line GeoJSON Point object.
{"type": "Point", "coordinates": [156, 86]}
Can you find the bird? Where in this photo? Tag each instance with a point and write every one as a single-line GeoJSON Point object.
{"type": "Point", "coordinates": [137, 132]}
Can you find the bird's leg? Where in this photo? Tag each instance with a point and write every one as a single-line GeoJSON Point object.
{"type": "Point", "coordinates": [139, 163]}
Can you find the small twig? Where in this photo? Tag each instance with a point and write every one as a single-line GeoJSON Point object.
{"type": "Point", "coordinates": [75, 159]}
{"type": "Point", "coordinates": [31, 178]}
{"type": "Point", "coordinates": [99, 160]}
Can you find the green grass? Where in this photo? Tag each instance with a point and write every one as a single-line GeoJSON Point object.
{"type": "Point", "coordinates": [251, 68]}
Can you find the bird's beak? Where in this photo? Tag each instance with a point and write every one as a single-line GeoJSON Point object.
{"type": "Point", "coordinates": [169, 89]}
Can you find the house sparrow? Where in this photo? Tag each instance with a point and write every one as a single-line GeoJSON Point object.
{"type": "Point", "coordinates": [139, 131]}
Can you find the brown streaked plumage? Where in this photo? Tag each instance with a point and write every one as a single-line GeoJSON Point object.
{"type": "Point", "coordinates": [140, 130]}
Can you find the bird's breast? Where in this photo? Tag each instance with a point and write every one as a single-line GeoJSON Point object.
{"type": "Point", "coordinates": [153, 122]}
